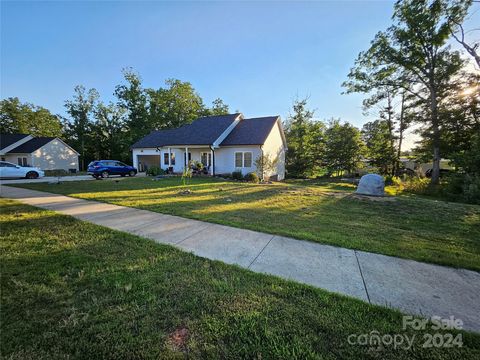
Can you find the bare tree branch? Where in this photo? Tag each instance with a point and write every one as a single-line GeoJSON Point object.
{"type": "Point", "coordinates": [472, 50]}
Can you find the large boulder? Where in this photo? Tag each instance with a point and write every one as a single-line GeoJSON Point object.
{"type": "Point", "coordinates": [371, 184]}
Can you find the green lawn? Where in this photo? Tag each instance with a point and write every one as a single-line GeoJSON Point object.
{"type": "Point", "coordinates": [408, 226]}
{"type": "Point", "coordinates": [71, 289]}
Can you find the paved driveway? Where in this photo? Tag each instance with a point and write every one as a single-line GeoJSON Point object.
{"type": "Point", "coordinates": [411, 286]}
{"type": "Point", "coordinates": [48, 179]}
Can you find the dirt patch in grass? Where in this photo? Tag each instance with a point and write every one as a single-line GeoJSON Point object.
{"type": "Point", "coordinates": [178, 339]}
{"type": "Point", "coordinates": [372, 198]}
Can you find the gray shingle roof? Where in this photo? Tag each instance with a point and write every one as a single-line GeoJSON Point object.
{"type": "Point", "coordinates": [9, 139]}
{"type": "Point", "coordinates": [250, 131]}
{"type": "Point", "coordinates": [31, 145]}
{"type": "Point", "coordinates": [203, 131]}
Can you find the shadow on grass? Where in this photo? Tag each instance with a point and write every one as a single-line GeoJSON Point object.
{"type": "Point", "coordinates": [74, 289]}
{"type": "Point", "coordinates": [419, 229]}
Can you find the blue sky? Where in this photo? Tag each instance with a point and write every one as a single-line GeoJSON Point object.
{"type": "Point", "coordinates": [256, 56]}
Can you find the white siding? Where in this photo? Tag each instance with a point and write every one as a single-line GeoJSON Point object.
{"type": "Point", "coordinates": [274, 147]}
{"type": "Point", "coordinates": [225, 159]}
{"type": "Point", "coordinates": [13, 158]}
{"type": "Point", "coordinates": [225, 156]}
{"type": "Point", "coordinates": [179, 156]}
{"type": "Point", "coordinates": [55, 155]}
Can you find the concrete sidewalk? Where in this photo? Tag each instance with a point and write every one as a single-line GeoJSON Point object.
{"type": "Point", "coordinates": [411, 286]}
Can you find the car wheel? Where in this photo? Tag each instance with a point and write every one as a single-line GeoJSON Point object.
{"type": "Point", "coordinates": [132, 173]}
{"type": "Point", "coordinates": [105, 174]}
{"type": "Point", "coordinates": [32, 175]}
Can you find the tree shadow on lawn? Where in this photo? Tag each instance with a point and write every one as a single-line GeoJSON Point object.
{"type": "Point", "coordinates": [422, 229]}
{"type": "Point", "coordinates": [85, 291]}
{"type": "Point", "coordinates": [398, 229]}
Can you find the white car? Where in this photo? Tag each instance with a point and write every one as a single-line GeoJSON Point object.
{"type": "Point", "coordinates": [9, 170]}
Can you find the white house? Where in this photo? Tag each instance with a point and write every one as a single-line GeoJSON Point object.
{"type": "Point", "coordinates": [46, 153]}
{"type": "Point", "coordinates": [223, 143]}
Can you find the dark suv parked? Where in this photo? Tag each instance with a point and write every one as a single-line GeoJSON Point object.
{"type": "Point", "coordinates": [105, 168]}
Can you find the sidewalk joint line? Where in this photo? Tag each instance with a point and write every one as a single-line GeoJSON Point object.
{"type": "Point", "coordinates": [145, 224]}
{"type": "Point", "coordinates": [256, 257]}
{"type": "Point", "coordinates": [198, 232]}
{"type": "Point", "coordinates": [361, 274]}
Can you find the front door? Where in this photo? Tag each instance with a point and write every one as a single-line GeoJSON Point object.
{"type": "Point", "coordinates": [185, 158]}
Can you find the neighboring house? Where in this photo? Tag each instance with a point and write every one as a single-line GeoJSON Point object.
{"type": "Point", "coordinates": [415, 165]}
{"type": "Point", "coordinates": [223, 143]}
{"type": "Point", "coordinates": [46, 153]}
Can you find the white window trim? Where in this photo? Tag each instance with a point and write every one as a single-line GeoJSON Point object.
{"type": "Point", "coordinates": [243, 159]}
{"type": "Point", "coordinates": [23, 161]}
{"type": "Point", "coordinates": [172, 158]}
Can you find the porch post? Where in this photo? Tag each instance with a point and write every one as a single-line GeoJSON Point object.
{"type": "Point", "coordinates": [186, 157]}
{"type": "Point", "coordinates": [211, 162]}
{"type": "Point", "coordinates": [169, 157]}
{"type": "Point", "coordinates": [135, 159]}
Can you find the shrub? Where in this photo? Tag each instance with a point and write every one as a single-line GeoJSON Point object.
{"type": "Point", "coordinates": [252, 177]}
{"type": "Point", "coordinates": [199, 165]}
{"type": "Point", "coordinates": [155, 171]}
{"type": "Point", "coordinates": [186, 176]}
{"type": "Point", "coordinates": [461, 187]}
{"type": "Point", "coordinates": [56, 172]}
{"type": "Point", "coordinates": [237, 175]}
{"type": "Point", "coordinates": [471, 189]}
{"type": "Point", "coordinates": [416, 185]}
{"type": "Point", "coordinates": [392, 180]}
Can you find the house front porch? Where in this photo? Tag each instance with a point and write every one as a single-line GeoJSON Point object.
{"type": "Point", "coordinates": [175, 158]}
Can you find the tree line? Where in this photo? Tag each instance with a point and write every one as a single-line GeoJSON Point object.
{"type": "Point", "coordinates": [412, 64]}
{"type": "Point", "coordinates": [99, 130]}
{"type": "Point", "coordinates": [333, 147]}
{"type": "Point", "coordinates": [411, 76]}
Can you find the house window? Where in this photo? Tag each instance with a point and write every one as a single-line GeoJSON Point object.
{"type": "Point", "coordinates": [247, 159]}
{"type": "Point", "coordinates": [22, 161]}
{"type": "Point", "coordinates": [165, 158]}
{"type": "Point", "coordinates": [238, 159]}
{"type": "Point", "coordinates": [243, 159]}
{"type": "Point", "coordinates": [3, 159]}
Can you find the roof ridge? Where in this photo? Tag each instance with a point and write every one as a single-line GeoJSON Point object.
{"type": "Point", "coordinates": [263, 117]}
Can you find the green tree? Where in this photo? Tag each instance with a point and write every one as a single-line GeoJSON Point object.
{"type": "Point", "coordinates": [343, 147]}
{"type": "Point", "coordinates": [133, 99]}
{"type": "Point", "coordinates": [218, 108]}
{"type": "Point", "coordinates": [412, 54]}
{"type": "Point", "coordinates": [109, 132]}
{"type": "Point", "coordinates": [459, 116]}
{"type": "Point", "coordinates": [265, 164]}
{"type": "Point", "coordinates": [305, 141]}
{"type": "Point", "coordinates": [379, 147]}
{"type": "Point", "coordinates": [25, 118]}
{"type": "Point", "coordinates": [175, 105]}
{"type": "Point", "coordinates": [79, 127]}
